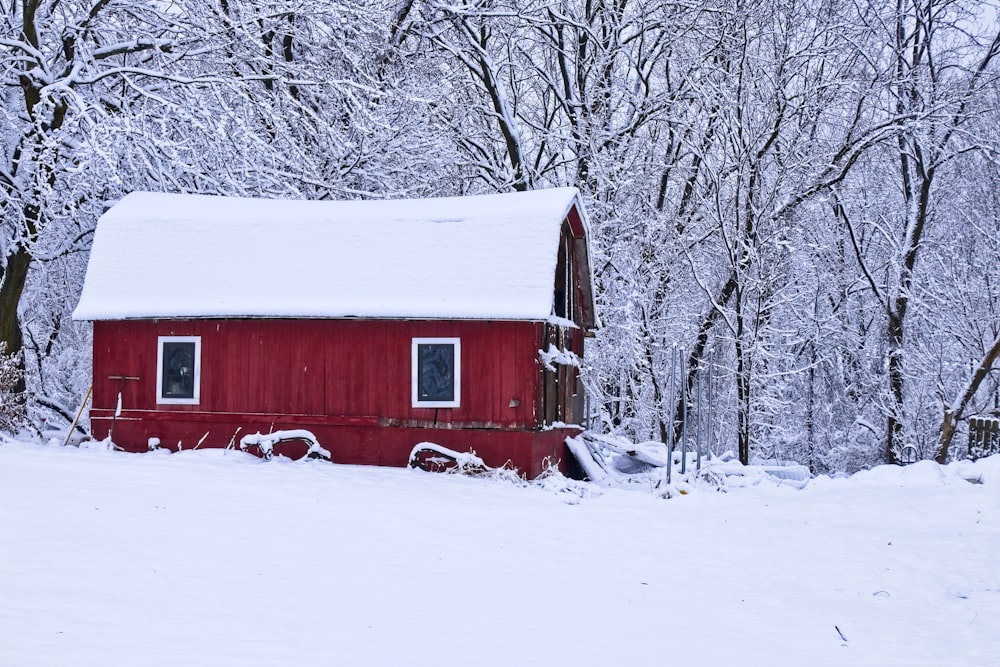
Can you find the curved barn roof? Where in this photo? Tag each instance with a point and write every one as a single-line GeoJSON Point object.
{"type": "Point", "coordinates": [197, 256]}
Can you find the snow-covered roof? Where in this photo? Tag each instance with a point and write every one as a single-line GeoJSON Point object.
{"type": "Point", "coordinates": [180, 256]}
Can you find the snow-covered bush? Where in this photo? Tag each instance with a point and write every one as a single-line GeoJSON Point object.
{"type": "Point", "coordinates": [12, 405]}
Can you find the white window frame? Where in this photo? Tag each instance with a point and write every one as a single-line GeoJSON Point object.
{"type": "Point", "coordinates": [160, 399]}
{"type": "Point", "coordinates": [456, 344]}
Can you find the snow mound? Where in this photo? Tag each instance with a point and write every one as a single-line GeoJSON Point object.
{"type": "Point", "coordinates": [925, 474]}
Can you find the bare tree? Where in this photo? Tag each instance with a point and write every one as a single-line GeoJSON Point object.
{"type": "Point", "coordinates": [938, 70]}
{"type": "Point", "coordinates": [99, 98]}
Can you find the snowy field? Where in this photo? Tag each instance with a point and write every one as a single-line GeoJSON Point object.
{"type": "Point", "coordinates": [217, 558]}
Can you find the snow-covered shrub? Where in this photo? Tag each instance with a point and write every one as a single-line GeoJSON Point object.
{"type": "Point", "coordinates": [554, 481]}
{"type": "Point", "coordinates": [12, 405]}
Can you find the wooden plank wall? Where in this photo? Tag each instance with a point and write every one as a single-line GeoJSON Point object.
{"type": "Point", "coordinates": [356, 368]}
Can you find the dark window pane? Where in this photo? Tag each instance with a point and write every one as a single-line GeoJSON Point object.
{"type": "Point", "coordinates": [178, 370]}
{"type": "Point", "coordinates": [435, 372]}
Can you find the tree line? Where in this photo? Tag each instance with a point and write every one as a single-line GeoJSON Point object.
{"type": "Point", "coordinates": [806, 191]}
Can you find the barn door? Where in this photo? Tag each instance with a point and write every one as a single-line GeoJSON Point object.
{"type": "Point", "coordinates": [562, 392]}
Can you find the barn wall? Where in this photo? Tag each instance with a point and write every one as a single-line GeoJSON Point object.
{"type": "Point", "coordinates": [529, 452]}
{"type": "Point", "coordinates": [325, 367]}
{"type": "Point", "coordinates": [346, 380]}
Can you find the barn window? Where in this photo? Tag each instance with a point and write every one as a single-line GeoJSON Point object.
{"type": "Point", "coordinates": [178, 369]}
{"type": "Point", "coordinates": [436, 372]}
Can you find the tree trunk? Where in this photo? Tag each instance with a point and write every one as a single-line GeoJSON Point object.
{"type": "Point", "coordinates": [894, 425]}
{"type": "Point", "coordinates": [15, 274]}
{"type": "Point", "coordinates": [743, 404]}
{"type": "Point", "coordinates": [743, 363]}
{"type": "Point", "coordinates": [697, 353]}
{"type": "Point", "coordinates": [953, 413]}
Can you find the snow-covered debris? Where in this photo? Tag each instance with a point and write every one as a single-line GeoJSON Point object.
{"type": "Point", "coordinates": [433, 457]}
{"type": "Point", "coordinates": [555, 320]}
{"type": "Point", "coordinates": [553, 355]}
{"type": "Point", "coordinates": [612, 461]}
{"type": "Point", "coordinates": [585, 458]}
{"type": "Point", "coordinates": [266, 442]}
{"type": "Point", "coordinates": [734, 474]}
{"type": "Point", "coordinates": [650, 453]}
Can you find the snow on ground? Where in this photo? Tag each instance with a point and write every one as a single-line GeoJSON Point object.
{"type": "Point", "coordinates": [218, 558]}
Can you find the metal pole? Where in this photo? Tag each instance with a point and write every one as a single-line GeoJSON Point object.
{"type": "Point", "coordinates": [711, 372]}
{"type": "Point", "coordinates": [670, 412]}
{"type": "Point", "coordinates": [684, 413]}
{"type": "Point", "coordinates": [697, 417]}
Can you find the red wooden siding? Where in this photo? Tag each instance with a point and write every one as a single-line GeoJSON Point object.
{"type": "Point", "coordinates": [325, 367]}
{"type": "Point", "coordinates": [347, 380]}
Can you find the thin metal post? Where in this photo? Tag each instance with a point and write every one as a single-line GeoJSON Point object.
{"type": "Point", "coordinates": [684, 413]}
{"type": "Point", "coordinates": [711, 373]}
{"type": "Point", "coordinates": [670, 412]}
{"type": "Point", "coordinates": [697, 417]}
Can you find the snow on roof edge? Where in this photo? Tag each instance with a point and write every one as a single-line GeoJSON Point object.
{"type": "Point", "coordinates": [509, 273]}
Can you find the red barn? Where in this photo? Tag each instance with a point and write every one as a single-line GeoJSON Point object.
{"type": "Point", "coordinates": [376, 325]}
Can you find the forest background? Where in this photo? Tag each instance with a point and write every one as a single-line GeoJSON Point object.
{"type": "Point", "coordinates": [806, 192]}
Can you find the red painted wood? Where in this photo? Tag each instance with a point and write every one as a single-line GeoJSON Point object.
{"type": "Point", "coordinates": [527, 451]}
{"type": "Point", "coordinates": [575, 224]}
{"type": "Point", "coordinates": [346, 380]}
{"type": "Point", "coordinates": [206, 417]}
{"type": "Point", "coordinates": [333, 367]}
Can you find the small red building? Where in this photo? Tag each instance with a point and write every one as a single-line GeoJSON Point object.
{"type": "Point", "coordinates": [376, 325]}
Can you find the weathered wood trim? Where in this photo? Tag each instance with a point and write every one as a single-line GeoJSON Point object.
{"type": "Point", "coordinates": [208, 417]}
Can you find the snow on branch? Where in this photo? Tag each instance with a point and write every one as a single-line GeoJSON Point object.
{"type": "Point", "coordinates": [133, 46]}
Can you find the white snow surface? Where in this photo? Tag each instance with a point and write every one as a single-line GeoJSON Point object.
{"type": "Point", "coordinates": [180, 255]}
{"type": "Point", "coordinates": [214, 557]}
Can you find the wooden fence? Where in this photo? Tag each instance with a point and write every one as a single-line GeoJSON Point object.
{"type": "Point", "coordinates": [984, 437]}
